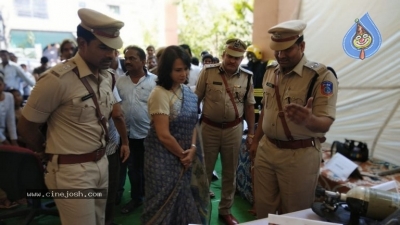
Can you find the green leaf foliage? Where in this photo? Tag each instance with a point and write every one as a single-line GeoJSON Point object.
{"type": "Point", "coordinates": [207, 24]}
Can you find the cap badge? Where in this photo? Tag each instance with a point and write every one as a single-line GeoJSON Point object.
{"type": "Point", "coordinates": [277, 35]}
{"type": "Point", "coordinates": [236, 44]}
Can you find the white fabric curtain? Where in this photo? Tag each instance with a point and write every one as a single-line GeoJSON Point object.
{"type": "Point", "coordinates": [368, 107]}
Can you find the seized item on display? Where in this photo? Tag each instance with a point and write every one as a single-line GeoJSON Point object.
{"type": "Point", "coordinates": [388, 172]}
{"type": "Point", "coordinates": [361, 205]}
{"type": "Point", "coordinates": [353, 150]}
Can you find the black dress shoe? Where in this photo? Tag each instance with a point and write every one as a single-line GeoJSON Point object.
{"type": "Point", "coordinates": [214, 176]}
{"type": "Point", "coordinates": [130, 206]}
{"type": "Point", "coordinates": [212, 195]}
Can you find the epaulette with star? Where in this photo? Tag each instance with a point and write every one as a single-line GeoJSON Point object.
{"type": "Point", "coordinates": [208, 66]}
{"type": "Point", "coordinates": [319, 68]}
{"type": "Point", "coordinates": [61, 68]}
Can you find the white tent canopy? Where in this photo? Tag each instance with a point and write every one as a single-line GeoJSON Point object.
{"type": "Point", "coordinates": [368, 107]}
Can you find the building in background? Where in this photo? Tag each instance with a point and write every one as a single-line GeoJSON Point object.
{"type": "Point", "coordinates": [28, 27]}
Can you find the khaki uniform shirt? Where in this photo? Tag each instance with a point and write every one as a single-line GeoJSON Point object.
{"type": "Point", "coordinates": [293, 88]}
{"type": "Point", "coordinates": [73, 127]}
{"type": "Point", "coordinates": [217, 105]}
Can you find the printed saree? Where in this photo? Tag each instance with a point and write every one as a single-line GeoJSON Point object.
{"type": "Point", "coordinates": [174, 195]}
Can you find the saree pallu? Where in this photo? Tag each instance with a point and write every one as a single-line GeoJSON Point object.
{"type": "Point", "coordinates": [174, 195]}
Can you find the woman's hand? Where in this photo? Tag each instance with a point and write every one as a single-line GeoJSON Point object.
{"type": "Point", "coordinates": [249, 141]}
{"type": "Point", "coordinates": [253, 150]}
{"type": "Point", "coordinates": [188, 156]}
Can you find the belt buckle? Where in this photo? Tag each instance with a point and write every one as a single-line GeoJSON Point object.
{"type": "Point", "coordinates": [278, 143]}
{"type": "Point", "coordinates": [96, 158]}
{"type": "Point", "coordinates": [223, 124]}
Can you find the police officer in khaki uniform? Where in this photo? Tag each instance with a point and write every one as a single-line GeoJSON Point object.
{"type": "Point", "coordinates": [76, 137]}
{"type": "Point", "coordinates": [299, 106]}
{"type": "Point", "coordinates": [227, 94]}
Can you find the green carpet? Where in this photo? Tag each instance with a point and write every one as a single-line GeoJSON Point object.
{"type": "Point", "coordinates": [239, 210]}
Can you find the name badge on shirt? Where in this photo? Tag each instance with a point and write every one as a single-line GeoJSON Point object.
{"type": "Point", "coordinates": [217, 83]}
{"type": "Point", "coordinates": [270, 85]}
{"type": "Point", "coordinates": [86, 97]}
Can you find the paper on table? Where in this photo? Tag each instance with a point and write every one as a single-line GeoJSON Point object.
{"type": "Point", "coordinates": [341, 166]}
{"type": "Point", "coordinates": [390, 185]}
{"type": "Point", "coordinates": [286, 220]}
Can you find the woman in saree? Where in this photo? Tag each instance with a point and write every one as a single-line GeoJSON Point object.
{"type": "Point", "coordinates": [176, 186]}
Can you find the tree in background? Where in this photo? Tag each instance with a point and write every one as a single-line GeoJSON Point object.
{"type": "Point", "coordinates": [148, 35]}
{"type": "Point", "coordinates": [207, 24]}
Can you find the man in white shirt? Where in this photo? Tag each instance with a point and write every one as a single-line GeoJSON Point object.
{"type": "Point", "coordinates": [25, 88]}
{"type": "Point", "coordinates": [13, 73]}
{"type": "Point", "coordinates": [134, 90]}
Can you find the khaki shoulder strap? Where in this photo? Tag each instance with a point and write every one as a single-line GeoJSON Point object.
{"type": "Point", "coordinates": [101, 118]}
{"type": "Point", "coordinates": [281, 114]}
{"type": "Point", "coordinates": [228, 89]}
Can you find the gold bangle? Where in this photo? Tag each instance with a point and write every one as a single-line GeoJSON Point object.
{"type": "Point", "coordinates": [250, 135]}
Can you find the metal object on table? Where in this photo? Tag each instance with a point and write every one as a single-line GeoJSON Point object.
{"type": "Point", "coordinates": [360, 205]}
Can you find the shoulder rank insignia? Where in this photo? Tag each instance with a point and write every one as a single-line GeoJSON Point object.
{"type": "Point", "coordinates": [207, 66]}
{"type": "Point", "coordinates": [111, 71]}
{"type": "Point", "coordinates": [64, 67]}
{"type": "Point", "coordinates": [48, 73]}
{"type": "Point", "coordinates": [317, 67]}
{"type": "Point", "coordinates": [55, 73]}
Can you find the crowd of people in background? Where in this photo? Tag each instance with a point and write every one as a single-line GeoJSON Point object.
{"type": "Point", "coordinates": [133, 64]}
{"type": "Point", "coordinates": [161, 117]}
{"type": "Point", "coordinates": [19, 81]}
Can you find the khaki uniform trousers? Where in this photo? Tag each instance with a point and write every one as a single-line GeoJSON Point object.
{"type": "Point", "coordinates": [89, 175]}
{"type": "Point", "coordinates": [284, 179]}
{"type": "Point", "coordinates": [226, 142]}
